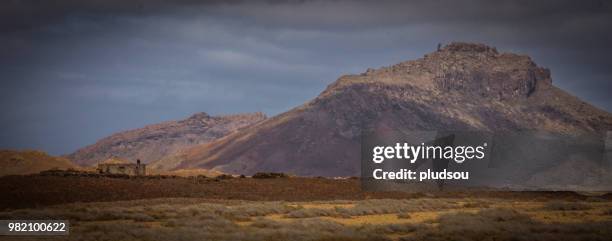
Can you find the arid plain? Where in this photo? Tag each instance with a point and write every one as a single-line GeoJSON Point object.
{"type": "Point", "coordinates": [293, 208]}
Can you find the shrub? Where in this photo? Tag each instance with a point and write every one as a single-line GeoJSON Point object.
{"type": "Point", "coordinates": [475, 205]}
{"type": "Point", "coordinates": [403, 216]}
{"type": "Point", "coordinates": [389, 228]}
{"type": "Point", "coordinates": [224, 176]}
{"type": "Point", "coordinates": [270, 175]}
{"type": "Point", "coordinates": [566, 206]}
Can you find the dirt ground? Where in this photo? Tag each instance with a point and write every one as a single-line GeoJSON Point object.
{"type": "Point", "coordinates": [40, 190]}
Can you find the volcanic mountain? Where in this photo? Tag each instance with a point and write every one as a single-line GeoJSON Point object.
{"type": "Point", "coordinates": [153, 142]}
{"type": "Point", "coordinates": [462, 86]}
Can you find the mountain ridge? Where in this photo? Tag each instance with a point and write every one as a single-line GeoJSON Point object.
{"type": "Point", "coordinates": [155, 141]}
{"type": "Point", "coordinates": [461, 86]}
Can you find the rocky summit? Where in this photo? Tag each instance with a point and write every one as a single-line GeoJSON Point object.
{"type": "Point", "coordinates": [461, 86]}
{"type": "Point", "coordinates": [153, 142]}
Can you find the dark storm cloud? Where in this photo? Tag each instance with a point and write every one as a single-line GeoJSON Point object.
{"type": "Point", "coordinates": [75, 71]}
{"type": "Point", "coordinates": [16, 15]}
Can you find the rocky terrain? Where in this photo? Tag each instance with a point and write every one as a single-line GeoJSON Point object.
{"type": "Point", "coordinates": [29, 162]}
{"type": "Point", "coordinates": [153, 142]}
{"type": "Point", "coordinates": [462, 86]}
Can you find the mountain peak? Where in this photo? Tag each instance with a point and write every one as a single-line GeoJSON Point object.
{"type": "Point", "coordinates": [469, 68]}
{"type": "Point", "coordinates": [199, 116]}
{"type": "Point", "coordinates": [469, 47]}
{"type": "Point", "coordinates": [481, 70]}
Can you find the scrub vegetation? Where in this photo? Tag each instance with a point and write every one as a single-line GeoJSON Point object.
{"type": "Point", "coordinates": [370, 219]}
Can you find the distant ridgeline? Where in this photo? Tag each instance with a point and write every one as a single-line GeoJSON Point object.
{"type": "Point", "coordinates": [154, 142]}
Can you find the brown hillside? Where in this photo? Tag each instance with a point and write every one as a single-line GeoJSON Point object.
{"type": "Point", "coordinates": [29, 162]}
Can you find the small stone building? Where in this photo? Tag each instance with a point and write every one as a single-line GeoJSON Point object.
{"type": "Point", "coordinates": [119, 166]}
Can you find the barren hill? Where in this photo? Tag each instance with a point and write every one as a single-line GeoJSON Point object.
{"type": "Point", "coordinates": [153, 142]}
{"type": "Point", "coordinates": [29, 162]}
{"type": "Point", "coordinates": [462, 86]}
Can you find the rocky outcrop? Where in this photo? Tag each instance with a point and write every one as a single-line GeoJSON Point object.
{"type": "Point", "coordinates": [497, 75]}
{"type": "Point", "coordinates": [472, 69]}
{"type": "Point", "coordinates": [153, 142]}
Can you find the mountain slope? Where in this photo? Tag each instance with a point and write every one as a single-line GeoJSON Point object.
{"type": "Point", "coordinates": [29, 162]}
{"type": "Point", "coordinates": [153, 142]}
{"type": "Point", "coordinates": [462, 87]}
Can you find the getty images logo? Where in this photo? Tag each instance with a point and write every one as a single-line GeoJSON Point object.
{"type": "Point", "coordinates": [411, 152]}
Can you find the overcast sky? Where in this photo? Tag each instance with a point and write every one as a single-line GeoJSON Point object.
{"type": "Point", "coordinates": [76, 71]}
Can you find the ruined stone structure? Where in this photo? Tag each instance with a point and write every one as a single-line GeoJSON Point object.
{"type": "Point", "coordinates": [117, 166]}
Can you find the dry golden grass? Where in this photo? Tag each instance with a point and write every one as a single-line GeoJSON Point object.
{"type": "Point", "coordinates": [379, 219]}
